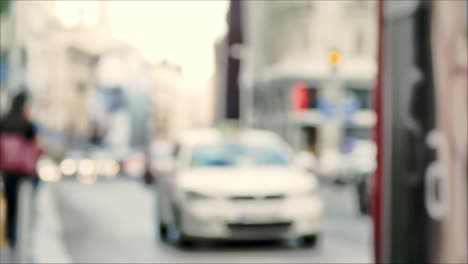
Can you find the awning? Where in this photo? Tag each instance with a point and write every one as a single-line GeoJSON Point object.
{"type": "Point", "coordinates": [318, 69]}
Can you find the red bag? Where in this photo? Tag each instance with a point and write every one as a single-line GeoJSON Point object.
{"type": "Point", "coordinates": [18, 154]}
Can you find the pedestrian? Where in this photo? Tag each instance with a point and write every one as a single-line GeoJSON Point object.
{"type": "Point", "coordinates": [16, 122]}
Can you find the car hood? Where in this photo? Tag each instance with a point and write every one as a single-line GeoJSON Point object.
{"type": "Point", "coordinates": [246, 181]}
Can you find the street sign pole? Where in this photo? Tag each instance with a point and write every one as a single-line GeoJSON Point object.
{"type": "Point", "coordinates": [332, 95]}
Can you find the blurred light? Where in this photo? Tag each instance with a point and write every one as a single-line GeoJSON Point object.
{"type": "Point", "coordinates": [111, 168]}
{"type": "Point", "coordinates": [68, 167]}
{"type": "Point", "coordinates": [135, 164]}
{"type": "Point", "coordinates": [49, 173]}
{"type": "Point", "coordinates": [87, 167]}
{"type": "Point", "coordinates": [334, 58]}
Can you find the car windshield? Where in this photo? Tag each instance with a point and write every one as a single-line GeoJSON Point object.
{"type": "Point", "coordinates": [237, 154]}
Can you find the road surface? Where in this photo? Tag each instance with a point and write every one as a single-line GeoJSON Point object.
{"type": "Point", "coordinates": [113, 222]}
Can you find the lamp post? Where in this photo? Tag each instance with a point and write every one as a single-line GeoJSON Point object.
{"type": "Point", "coordinates": [234, 39]}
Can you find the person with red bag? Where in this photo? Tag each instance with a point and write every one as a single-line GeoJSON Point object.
{"type": "Point", "coordinates": [19, 154]}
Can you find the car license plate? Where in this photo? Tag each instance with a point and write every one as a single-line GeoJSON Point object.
{"type": "Point", "coordinates": [257, 218]}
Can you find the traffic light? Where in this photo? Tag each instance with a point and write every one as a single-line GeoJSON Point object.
{"type": "Point", "coordinates": [300, 97]}
{"type": "Point", "coordinates": [334, 58]}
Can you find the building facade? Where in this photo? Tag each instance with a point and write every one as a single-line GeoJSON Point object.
{"type": "Point", "coordinates": [288, 43]}
{"type": "Point", "coordinates": [54, 60]}
{"type": "Point", "coordinates": [220, 50]}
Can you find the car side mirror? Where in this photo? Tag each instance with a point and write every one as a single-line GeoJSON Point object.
{"type": "Point", "coordinates": [306, 161]}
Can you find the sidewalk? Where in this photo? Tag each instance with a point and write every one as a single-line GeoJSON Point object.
{"type": "Point", "coordinates": [42, 242]}
{"type": "Point", "coordinates": [47, 243]}
{"type": "Point", "coordinates": [5, 255]}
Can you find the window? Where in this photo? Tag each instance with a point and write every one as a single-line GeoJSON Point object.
{"type": "Point", "coordinates": [23, 57]}
{"type": "Point", "coordinates": [3, 67]}
{"type": "Point", "coordinates": [80, 87]}
{"type": "Point", "coordinates": [312, 97]}
{"type": "Point", "coordinates": [362, 95]}
{"type": "Point", "coordinates": [176, 151]}
{"type": "Point", "coordinates": [361, 4]}
{"type": "Point", "coordinates": [359, 43]}
{"type": "Point", "coordinates": [358, 5]}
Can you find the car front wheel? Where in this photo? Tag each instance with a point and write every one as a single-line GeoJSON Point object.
{"type": "Point", "coordinates": [176, 234]}
{"type": "Point", "coordinates": [309, 241]}
{"type": "Point", "coordinates": [178, 238]}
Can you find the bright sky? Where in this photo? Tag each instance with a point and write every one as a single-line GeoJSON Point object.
{"type": "Point", "coordinates": [184, 32]}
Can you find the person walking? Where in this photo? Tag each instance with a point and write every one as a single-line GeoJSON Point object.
{"type": "Point", "coordinates": [16, 122]}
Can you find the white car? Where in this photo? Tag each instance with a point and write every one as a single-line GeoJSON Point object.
{"type": "Point", "coordinates": [245, 185]}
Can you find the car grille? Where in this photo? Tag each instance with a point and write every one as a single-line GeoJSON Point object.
{"type": "Point", "coordinates": [257, 198]}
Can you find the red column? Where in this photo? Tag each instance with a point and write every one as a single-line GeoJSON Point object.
{"type": "Point", "coordinates": [377, 187]}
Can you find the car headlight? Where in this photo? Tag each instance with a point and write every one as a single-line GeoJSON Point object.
{"type": "Point", "coordinates": [312, 191]}
{"type": "Point", "coordinates": [48, 171]}
{"type": "Point", "coordinates": [68, 167]}
{"type": "Point", "coordinates": [110, 168]}
{"type": "Point", "coordinates": [191, 195]}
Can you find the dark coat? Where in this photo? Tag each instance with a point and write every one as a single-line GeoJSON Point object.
{"type": "Point", "coordinates": [14, 122]}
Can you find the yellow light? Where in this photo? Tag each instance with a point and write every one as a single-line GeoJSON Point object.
{"type": "Point", "coordinates": [334, 58]}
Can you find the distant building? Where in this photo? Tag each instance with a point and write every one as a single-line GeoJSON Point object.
{"type": "Point", "coordinates": [288, 43]}
{"type": "Point", "coordinates": [124, 69]}
{"type": "Point", "coordinates": [220, 49]}
{"type": "Point", "coordinates": [55, 61]}
{"type": "Point", "coordinates": [171, 103]}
